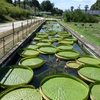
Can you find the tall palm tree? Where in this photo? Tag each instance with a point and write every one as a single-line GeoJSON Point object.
{"type": "Point", "coordinates": [19, 2]}
{"type": "Point", "coordinates": [72, 8]}
{"type": "Point", "coordinates": [86, 8]}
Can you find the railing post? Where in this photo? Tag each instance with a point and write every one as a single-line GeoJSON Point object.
{"type": "Point", "coordinates": [13, 32]}
{"type": "Point", "coordinates": [22, 29]}
{"type": "Point", "coordinates": [3, 45]}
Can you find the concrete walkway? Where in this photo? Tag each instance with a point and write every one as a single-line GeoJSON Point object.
{"type": "Point", "coordinates": [8, 26]}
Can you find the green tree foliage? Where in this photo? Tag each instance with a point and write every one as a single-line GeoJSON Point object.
{"type": "Point", "coordinates": [96, 6]}
{"type": "Point", "coordinates": [47, 6]}
{"type": "Point", "coordinates": [57, 11]}
{"type": "Point", "coordinates": [9, 1]}
{"type": "Point", "coordinates": [10, 10]}
{"type": "Point", "coordinates": [78, 16]}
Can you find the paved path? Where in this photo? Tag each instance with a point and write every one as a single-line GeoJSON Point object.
{"type": "Point", "coordinates": [8, 26]}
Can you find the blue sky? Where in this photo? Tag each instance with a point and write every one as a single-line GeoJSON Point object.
{"type": "Point", "coordinates": [66, 4]}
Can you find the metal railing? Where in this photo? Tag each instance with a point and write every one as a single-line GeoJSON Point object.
{"type": "Point", "coordinates": [7, 42]}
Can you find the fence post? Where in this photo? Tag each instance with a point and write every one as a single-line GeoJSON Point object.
{"type": "Point", "coordinates": [3, 45]}
{"type": "Point", "coordinates": [22, 29]}
{"type": "Point", "coordinates": [13, 32]}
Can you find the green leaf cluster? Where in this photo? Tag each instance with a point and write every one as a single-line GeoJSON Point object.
{"type": "Point", "coordinates": [12, 11]}
{"type": "Point", "coordinates": [78, 16]}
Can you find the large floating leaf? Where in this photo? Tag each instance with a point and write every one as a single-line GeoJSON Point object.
{"type": "Point", "coordinates": [64, 87]}
{"type": "Point", "coordinates": [67, 54]}
{"type": "Point", "coordinates": [89, 72]}
{"type": "Point", "coordinates": [47, 40]}
{"type": "Point", "coordinates": [95, 92]}
{"type": "Point", "coordinates": [31, 62]}
{"type": "Point", "coordinates": [66, 42]}
{"type": "Point", "coordinates": [72, 64]}
{"type": "Point", "coordinates": [15, 75]}
{"type": "Point", "coordinates": [43, 44]}
{"type": "Point", "coordinates": [29, 52]}
{"type": "Point", "coordinates": [37, 38]}
{"type": "Point", "coordinates": [71, 39]}
{"type": "Point", "coordinates": [64, 47]}
{"type": "Point", "coordinates": [31, 46]}
{"type": "Point", "coordinates": [47, 50]}
{"type": "Point", "coordinates": [89, 60]}
{"type": "Point", "coordinates": [21, 93]}
{"type": "Point", "coordinates": [42, 35]}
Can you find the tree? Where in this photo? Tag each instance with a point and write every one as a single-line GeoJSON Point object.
{"type": "Point", "coordinates": [96, 6]}
{"type": "Point", "coordinates": [86, 8]}
{"type": "Point", "coordinates": [72, 8]}
{"type": "Point", "coordinates": [15, 3]}
{"type": "Point", "coordinates": [47, 5]}
{"type": "Point", "coordinates": [9, 1]}
{"type": "Point", "coordinates": [24, 3]}
{"type": "Point", "coordinates": [19, 2]}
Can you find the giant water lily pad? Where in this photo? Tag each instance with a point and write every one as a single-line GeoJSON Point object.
{"type": "Point", "coordinates": [32, 62]}
{"type": "Point", "coordinates": [89, 60]}
{"type": "Point", "coordinates": [73, 64]}
{"type": "Point", "coordinates": [15, 75]}
{"type": "Point", "coordinates": [64, 47]}
{"type": "Point", "coordinates": [47, 50]}
{"type": "Point", "coordinates": [64, 87]}
{"type": "Point", "coordinates": [29, 52]}
{"type": "Point", "coordinates": [42, 35]}
{"type": "Point", "coordinates": [43, 44]}
{"type": "Point", "coordinates": [47, 40]}
{"type": "Point", "coordinates": [90, 73]}
{"type": "Point", "coordinates": [31, 46]}
{"type": "Point", "coordinates": [66, 42]}
{"type": "Point", "coordinates": [72, 54]}
{"type": "Point", "coordinates": [95, 92]}
{"type": "Point", "coordinates": [56, 38]}
{"type": "Point", "coordinates": [71, 39]}
{"type": "Point", "coordinates": [21, 93]}
{"type": "Point", "coordinates": [37, 39]}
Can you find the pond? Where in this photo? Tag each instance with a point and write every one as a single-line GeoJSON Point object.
{"type": "Point", "coordinates": [52, 63]}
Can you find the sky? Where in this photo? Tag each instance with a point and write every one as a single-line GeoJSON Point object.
{"type": "Point", "coordinates": [66, 4]}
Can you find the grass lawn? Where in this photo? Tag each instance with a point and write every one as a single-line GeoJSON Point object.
{"type": "Point", "coordinates": [91, 31]}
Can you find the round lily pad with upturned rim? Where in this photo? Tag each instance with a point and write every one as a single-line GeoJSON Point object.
{"type": "Point", "coordinates": [64, 47]}
{"type": "Point", "coordinates": [47, 40]}
{"type": "Point", "coordinates": [70, 54]}
{"type": "Point", "coordinates": [32, 62]}
{"type": "Point", "coordinates": [95, 92]}
{"type": "Point", "coordinates": [47, 49]}
{"type": "Point", "coordinates": [64, 87]}
{"type": "Point", "coordinates": [71, 39]}
{"type": "Point", "coordinates": [29, 53]}
{"type": "Point", "coordinates": [37, 38]}
{"type": "Point", "coordinates": [15, 75]}
{"type": "Point", "coordinates": [41, 35]}
{"type": "Point", "coordinates": [89, 73]}
{"type": "Point", "coordinates": [65, 42]}
{"type": "Point", "coordinates": [73, 64]}
{"type": "Point", "coordinates": [25, 92]}
{"type": "Point", "coordinates": [89, 60]}
{"type": "Point", "coordinates": [32, 46]}
{"type": "Point", "coordinates": [43, 44]}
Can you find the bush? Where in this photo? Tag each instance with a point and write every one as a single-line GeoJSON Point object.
{"type": "Point", "coordinates": [78, 16]}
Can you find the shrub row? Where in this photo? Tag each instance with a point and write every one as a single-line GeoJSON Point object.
{"type": "Point", "coordinates": [79, 16]}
